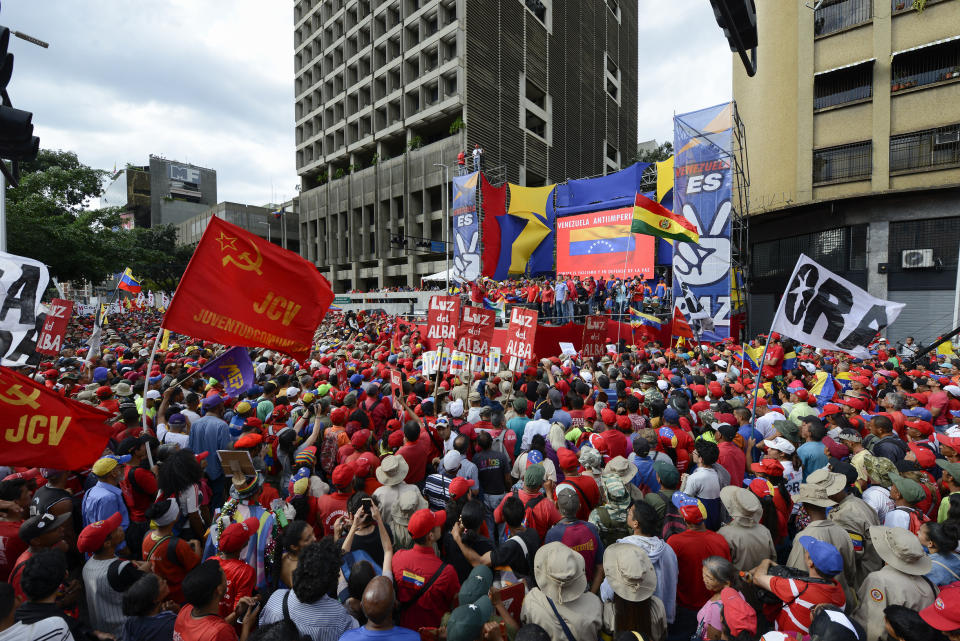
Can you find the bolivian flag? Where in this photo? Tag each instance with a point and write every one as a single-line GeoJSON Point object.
{"type": "Point", "coordinates": [655, 220]}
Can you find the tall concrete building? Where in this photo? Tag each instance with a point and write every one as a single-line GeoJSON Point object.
{"type": "Point", "coordinates": [165, 192]}
{"type": "Point", "coordinates": [388, 89]}
{"type": "Point", "coordinates": [265, 222]}
{"type": "Point", "coordinates": [853, 131]}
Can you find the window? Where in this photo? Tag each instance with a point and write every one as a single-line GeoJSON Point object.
{"type": "Point", "coordinates": [837, 15]}
{"type": "Point", "coordinates": [535, 124]}
{"type": "Point", "coordinates": [840, 250]}
{"type": "Point", "coordinates": [844, 163]}
{"type": "Point", "coordinates": [612, 72]}
{"type": "Point", "coordinates": [535, 109]}
{"type": "Point", "coordinates": [927, 65]}
{"type": "Point", "coordinates": [536, 95]}
{"type": "Point", "coordinates": [539, 9]}
{"type": "Point", "coordinates": [942, 235]}
{"type": "Point", "coordinates": [614, 6]}
{"type": "Point", "coordinates": [841, 86]}
{"type": "Point", "coordinates": [925, 150]}
{"type": "Point", "coordinates": [611, 161]}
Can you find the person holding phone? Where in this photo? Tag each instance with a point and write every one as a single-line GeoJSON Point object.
{"type": "Point", "coordinates": [365, 530]}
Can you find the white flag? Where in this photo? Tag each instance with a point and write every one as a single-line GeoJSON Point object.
{"type": "Point", "coordinates": [821, 309]}
{"type": "Point", "coordinates": [22, 283]}
{"type": "Point", "coordinates": [150, 299]}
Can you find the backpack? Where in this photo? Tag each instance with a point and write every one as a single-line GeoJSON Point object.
{"type": "Point", "coordinates": [917, 518]}
{"type": "Point", "coordinates": [528, 516]}
{"type": "Point", "coordinates": [673, 523]}
{"type": "Point", "coordinates": [612, 516]}
{"type": "Point", "coordinates": [328, 453]}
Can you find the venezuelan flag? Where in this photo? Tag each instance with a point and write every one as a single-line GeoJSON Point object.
{"type": "Point", "coordinates": [789, 360]}
{"type": "Point", "coordinates": [128, 282]}
{"type": "Point", "coordinates": [823, 390]}
{"type": "Point", "coordinates": [655, 220]}
{"type": "Point", "coordinates": [605, 239]}
{"type": "Point", "coordinates": [638, 318]}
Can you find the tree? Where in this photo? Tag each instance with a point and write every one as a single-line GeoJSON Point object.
{"type": "Point", "coordinates": [47, 219]}
{"type": "Point", "coordinates": [659, 154]}
{"type": "Point", "coordinates": [156, 258]}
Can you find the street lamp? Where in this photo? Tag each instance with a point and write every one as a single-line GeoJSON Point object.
{"type": "Point", "coordinates": [446, 218]}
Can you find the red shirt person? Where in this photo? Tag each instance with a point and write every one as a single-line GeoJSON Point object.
{"type": "Point", "coordinates": [240, 576]}
{"type": "Point", "coordinates": [332, 506]}
{"type": "Point", "coordinates": [414, 453]}
{"type": "Point", "coordinates": [414, 569]}
{"type": "Point", "coordinates": [692, 547]}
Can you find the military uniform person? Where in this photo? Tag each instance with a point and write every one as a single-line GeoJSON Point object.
{"type": "Point", "coordinates": [853, 515]}
{"type": "Point", "coordinates": [561, 578]}
{"type": "Point", "coordinates": [651, 392]}
{"type": "Point", "coordinates": [899, 582]}
{"type": "Point", "coordinates": [750, 542]}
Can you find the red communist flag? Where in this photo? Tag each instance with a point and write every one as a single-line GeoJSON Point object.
{"type": "Point", "coordinates": [240, 289]}
{"type": "Point", "coordinates": [41, 428]}
{"type": "Point", "coordinates": [680, 325]}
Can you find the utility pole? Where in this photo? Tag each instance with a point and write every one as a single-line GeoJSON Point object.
{"type": "Point", "coordinates": [446, 218]}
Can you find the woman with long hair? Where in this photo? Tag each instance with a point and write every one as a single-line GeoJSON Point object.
{"type": "Point", "coordinates": [179, 478]}
{"type": "Point", "coordinates": [634, 607]}
{"type": "Point", "coordinates": [941, 540]}
{"type": "Point", "coordinates": [296, 536]}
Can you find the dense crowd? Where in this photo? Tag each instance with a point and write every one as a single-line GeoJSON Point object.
{"type": "Point", "coordinates": [653, 494]}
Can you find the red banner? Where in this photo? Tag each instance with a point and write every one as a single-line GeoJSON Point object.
{"type": "Point", "coordinates": [41, 428]}
{"type": "Point", "coordinates": [50, 340]}
{"type": "Point", "coordinates": [594, 337]}
{"type": "Point", "coordinates": [343, 377]}
{"type": "Point", "coordinates": [476, 330]}
{"type": "Point", "coordinates": [601, 243]}
{"type": "Point", "coordinates": [443, 316]}
{"type": "Point", "coordinates": [240, 289]}
{"type": "Point", "coordinates": [521, 333]}
{"type": "Point", "coordinates": [396, 388]}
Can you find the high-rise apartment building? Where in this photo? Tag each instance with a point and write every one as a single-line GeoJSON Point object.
{"type": "Point", "coordinates": [386, 90]}
{"type": "Point", "coordinates": [853, 131]}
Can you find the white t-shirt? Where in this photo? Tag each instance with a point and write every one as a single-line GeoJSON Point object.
{"type": "Point", "coordinates": [190, 414]}
{"type": "Point", "coordinates": [520, 466]}
{"type": "Point", "coordinates": [49, 629]}
{"type": "Point", "coordinates": [189, 500]}
{"type": "Point", "coordinates": [164, 435]}
{"type": "Point", "coordinates": [897, 518]}
{"type": "Point", "coordinates": [764, 424]}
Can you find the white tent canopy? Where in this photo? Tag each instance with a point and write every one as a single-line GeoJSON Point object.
{"type": "Point", "coordinates": [439, 276]}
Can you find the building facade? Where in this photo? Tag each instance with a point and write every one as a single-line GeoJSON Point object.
{"type": "Point", "coordinates": [853, 131]}
{"type": "Point", "coordinates": [164, 192]}
{"type": "Point", "coordinates": [262, 221]}
{"type": "Point", "coordinates": [386, 90]}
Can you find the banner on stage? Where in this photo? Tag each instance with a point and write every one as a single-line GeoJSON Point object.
{"type": "Point", "coordinates": [443, 317]}
{"type": "Point", "coordinates": [594, 336]}
{"type": "Point", "coordinates": [466, 229]}
{"type": "Point", "coordinates": [22, 283]}
{"type": "Point", "coordinates": [601, 243]}
{"type": "Point", "coordinates": [50, 341]}
{"type": "Point", "coordinates": [822, 309]}
{"type": "Point", "coordinates": [521, 333]}
{"type": "Point", "coordinates": [703, 188]}
{"type": "Point", "coordinates": [476, 330]}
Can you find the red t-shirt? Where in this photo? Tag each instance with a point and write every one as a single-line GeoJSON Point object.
{"type": "Point", "coordinates": [11, 546]}
{"type": "Point", "coordinates": [733, 461]}
{"type": "Point", "coordinates": [545, 513]}
{"type": "Point", "coordinates": [172, 565]}
{"type": "Point", "coordinates": [141, 497]}
{"type": "Point", "coordinates": [617, 442]}
{"type": "Point", "coordinates": [411, 570]}
{"type": "Point", "coordinates": [17, 571]}
{"type": "Point", "coordinates": [802, 596]}
{"type": "Point", "coordinates": [416, 458]}
{"type": "Point", "coordinates": [691, 548]}
{"type": "Point", "coordinates": [207, 628]}
{"type": "Point", "coordinates": [241, 580]}
{"type": "Point", "coordinates": [588, 487]}
{"type": "Point", "coordinates": [330, 507]}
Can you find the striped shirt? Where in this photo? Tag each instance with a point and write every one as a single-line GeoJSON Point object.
{"type": "Point", "coordinates": [437, 490]}
{"type": "Point", "coordinates": [104, 604]}
{"type": "Point", "coordinates": [323, 620]}
{"type": "Point", "coordinates": [49, 629]}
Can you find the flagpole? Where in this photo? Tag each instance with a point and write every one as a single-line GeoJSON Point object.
{"type": "Point", "coordinates": [763, 357]}
{"type": "Point", "coordinates": [146, 384]}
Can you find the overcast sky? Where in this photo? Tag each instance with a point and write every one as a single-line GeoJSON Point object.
{"type": "Point", "coordinates": [211, 83]}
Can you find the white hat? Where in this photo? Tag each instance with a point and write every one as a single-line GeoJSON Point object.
{"type": "Point", "coordinates": [721, 363]}
{"type": "Point", "coordinates": [152, 393]}
{"type": "Point", "coordinates": [293, 391]}
{"type": "Point", "coordinates": [810, 367]}
{"type": "Point", "coordinates": [452, 460]}
{"type": "Point", "coordinates": [455, 408]}
{"type": "Point", "coordinates": [586, 376]}
{"type": "Point", "coordinates": [663, 385]}
{"type": "Point", "coordinates": [952, 389]}
{"type": "Point", "coordinates": [780, 444]}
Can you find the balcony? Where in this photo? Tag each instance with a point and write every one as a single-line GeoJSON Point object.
{"type": "Point", "coordinates": [930, 64]}
{"type": "Point", "coordinates": [845, 85]}
{"type": "Point", "coordinates": [844, 163]}
{"type": "Point", "coordinates": [925, 150]}
{"type": "Point", "coordinates": [839, 15]}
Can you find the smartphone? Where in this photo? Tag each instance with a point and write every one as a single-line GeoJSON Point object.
{"type": "Point", "coordinates": [367, 504]}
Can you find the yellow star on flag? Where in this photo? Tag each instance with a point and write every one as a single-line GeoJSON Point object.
{"type": "Point", "coordinates": [226, 241]}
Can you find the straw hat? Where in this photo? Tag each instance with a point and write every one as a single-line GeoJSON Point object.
{"type": "Point", "coordinates": [741, 502]}
{"type": "Point", "coordinates": [393, 469]}
{"type": "Point", "coordinates": [814, 495]}
{"type": "Point", "coordinates": [622, 468]}
{"type": "Point", "coordinates": [832, 482]}
{"type": "Point", "coordinates": [900, 549]}
{"type": "Point", "coordinates": [629, 571]}
{"type": "Point", "coordinates": [559, 572]}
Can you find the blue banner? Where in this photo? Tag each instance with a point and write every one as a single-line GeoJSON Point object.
{"type": "Point", "coordinates": [703, 189]}
{"type": "Point", "coordinates": [466, 229]}
{"type": "Point", "coordinates": [233, 369]}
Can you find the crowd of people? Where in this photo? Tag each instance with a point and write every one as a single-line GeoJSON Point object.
{"type": "Point", "coordinates": [654, 494]}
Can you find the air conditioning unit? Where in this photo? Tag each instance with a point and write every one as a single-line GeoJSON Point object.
{"type": "Point", "coordinates": [947, 138]}
{"type": "Point", "coordinates": [917, 258]}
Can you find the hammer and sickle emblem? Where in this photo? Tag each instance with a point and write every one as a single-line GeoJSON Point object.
{"type": "Point", "coordinates": [244, 262]}
{"type": "Point", "coordinates": [14, 396]}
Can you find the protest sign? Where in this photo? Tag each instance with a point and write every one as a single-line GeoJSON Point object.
{"type": "Point", "coordinates": [476, 330]}
{"type": "Point", "coordinates": [22, 283]}
{"type": "Point", "coordinates": [54, 326]}
{"type": "Point", "coordinates": [594, 336]}
{"type": "Point", "coordinates": [343, 378]}
{"type": "Point", "coordinates": [443, 316]}
{"type": "Point", "coordinates": [521, 332]}
{"type": "Point", "coordinates": [233, 369]}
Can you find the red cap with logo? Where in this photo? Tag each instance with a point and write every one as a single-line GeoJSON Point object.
{"type": "Point", "coordinates": [93, 536]}
{"type": "Point", "coordinates": [236, 535]}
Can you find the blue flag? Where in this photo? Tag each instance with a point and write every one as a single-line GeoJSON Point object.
{"type": "Point", "coordinates": [233, 369]}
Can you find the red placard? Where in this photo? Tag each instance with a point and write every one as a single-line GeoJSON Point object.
{"type": "Point", "coordinates": [594, 337]}
{"type": "Point", "coordinates": [443, 316]}
{"type": "Point", "coordinates": [521, 332]}
{"type": "Point", "coordinates": [396, 387]}
{"type": "Point", "coordinates": [54, 327]}
{"type": "Point", "coordinates": [476, 331]}
{"type": "Point", "coordinates": [343, 378]}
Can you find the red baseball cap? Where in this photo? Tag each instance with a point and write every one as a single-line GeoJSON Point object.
{"type": "Point", "coordinates": [459, 486]}
{"type": "Point", "coordinates": [737, 613]}
{"type": "Point", "coordinates": [769, 466]}
{"type": "Point", "coordinates": [424, 521]}
{"type": "Point", "coordinates": [830, 408]}
{"type": "Point", "coordinates": [342, 474]}
{"type": "Point", "coordinates": [568, 459]}
{"type": "Point", "coordinates": [801, 394]}
{"type": "Point", "coordinates": [925, 456]}
{"type": "Point", "coordinates": [236, 535]}
{"type": "Point", "coordinates": [93, 536]}
{"type": "Point", "coordinates": [944, 614]}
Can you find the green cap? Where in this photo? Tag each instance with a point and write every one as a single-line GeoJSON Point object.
{"type": "Point", "coordinates": [520, 404]}
{"type": "Point", "coordinates": [911, 491]}
{"type": "Point", "coordinates": [466, 622]}
{"type": "Point", "coordinates": [788, 429]}
{"type": "Point", "coordinates": [668, 473]}
{"type": "Point", "coordinates": [953, 469]}
{"type": "Point", "coordinates": [533, 475]}
{"type": "Point", "coordinates": [477, 584]}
